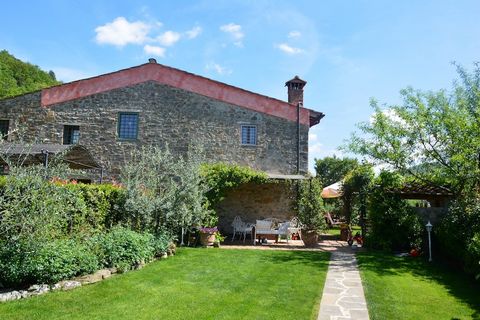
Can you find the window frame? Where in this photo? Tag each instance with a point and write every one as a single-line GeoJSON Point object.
{"type": "Point", "coordinates": [119, 117]}
{"type": "Point", "coordinates": [250, 126]}
{"type": "Point", "coordinates": [72, 128]}
{"type": "Point", "coordinates": [7, 121]}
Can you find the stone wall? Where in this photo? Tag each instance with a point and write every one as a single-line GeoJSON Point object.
{"type": "Point", "coordinates": [167, 115]}
{"type": "Point", "coordinates": [255, 201]}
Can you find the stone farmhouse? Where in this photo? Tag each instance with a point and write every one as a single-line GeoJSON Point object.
{"type": "Point", "coordinates": [152, 104]}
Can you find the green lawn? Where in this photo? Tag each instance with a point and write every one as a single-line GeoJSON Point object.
{"type": "Point", "coordinates": [335, 230]}
{"type": "Point", "coordinates": [195, 284]}
{"type": "Point", "coordinates": [408, 288]}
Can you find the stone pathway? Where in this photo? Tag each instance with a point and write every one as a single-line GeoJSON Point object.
{"type": "Point", "coordinates": [343, 296]}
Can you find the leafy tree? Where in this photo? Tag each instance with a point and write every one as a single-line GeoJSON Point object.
{"type": "Point", "coordinates": [309, 205]}
{"type": "Point", "coordinates": [164, 192]}
{"type": "Point", "coordinates": [394, 223]}
{"type": "Point", "coordinates": [18, 77]}
{"type": "Point", "coordinates": [332, 169]}
{"type": "Point", "coordinates": [432, 136]}
{"type": "Point", "coordinates": [356, 186]}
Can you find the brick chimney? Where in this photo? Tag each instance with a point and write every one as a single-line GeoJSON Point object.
{"type": "Point", "coordinates": [295, 90]}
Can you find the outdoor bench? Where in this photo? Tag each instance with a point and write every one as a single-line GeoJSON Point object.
{"type": "Point", "coordinates": [265, 227]}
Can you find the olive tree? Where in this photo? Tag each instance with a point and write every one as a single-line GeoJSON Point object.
{"type": "Point", "coordinates": [164, 191]}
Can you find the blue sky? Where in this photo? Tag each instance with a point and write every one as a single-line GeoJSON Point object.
{"type": "Point", "coordinates": [348, 51]}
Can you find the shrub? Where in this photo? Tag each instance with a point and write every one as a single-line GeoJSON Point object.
{"type": "Point", "coordinates": [104, 204]}
{"type": "Point", "coordinates": [62, 259]}
{"type": "Point", "coordinates": [160, 243]}
{"type": "Point", "coordinates": [394, 224]}
{"type": "Point", "coordinates": [220, 177]}
{"type": "Point", "coordinates": [163, 191]}
{"type": "Point", "coordinates": [459, 233]}
{"type": "Point", "coordinates": [309, 205]}
{"type": "Point", "coordinates": [33, 208]}
{"type": "Point", "coordinates": [25, 262]}
{"type": "Point", "coordinates": [123, 248]}
{"type": "Point", "coordinates": [14, 264]}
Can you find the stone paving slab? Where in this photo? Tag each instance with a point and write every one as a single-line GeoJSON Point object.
{"type": "Point", "coordinates": [343, 296]}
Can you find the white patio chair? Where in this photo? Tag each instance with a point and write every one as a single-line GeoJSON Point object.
{"type": "Point", "coordinates": [241, 227]}
{"type": "Point", "coordinates": [284, 230]}
{"type": "Point", "coordinates": [295, 227]}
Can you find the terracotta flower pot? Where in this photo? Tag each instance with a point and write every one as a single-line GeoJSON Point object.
{"type": "Point", "coordinates": [310, 238]}
{"type": "Point", "coordinates": [207, 239]}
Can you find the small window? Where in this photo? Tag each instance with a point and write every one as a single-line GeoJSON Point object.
{"type": "Point", "coordinates": [4, 129]}
{"type": "Point", "coordinates": [249, 135]}
{"type": "Point", "coordinates": [71, 134]}
{"type": "Point", "coordinates": [128, 126]}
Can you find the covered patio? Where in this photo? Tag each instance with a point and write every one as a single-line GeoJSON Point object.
{"type": "Point", "coordinates": [75, 156]}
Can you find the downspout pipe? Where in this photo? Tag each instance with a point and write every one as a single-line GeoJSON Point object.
{"type": "Point", "coordinates": [299, 105]}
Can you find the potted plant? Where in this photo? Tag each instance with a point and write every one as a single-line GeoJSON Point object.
{"type": "Point", "coordinates": [209, 229]}
{"type": "Point", "coordinates": [207, 235]}
{"type": "Point", "coordinates": [218, 239]}
{"type": "Point", "coordinates": [310, 210]}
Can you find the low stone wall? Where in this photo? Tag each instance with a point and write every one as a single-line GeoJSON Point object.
{"type": "Point", "coordinates": [255, 201]}
{"type": "Point", "coordinates": [65, 285]}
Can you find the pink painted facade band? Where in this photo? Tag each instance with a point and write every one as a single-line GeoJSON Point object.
{"type": "Point", "coordinates": [178, 79]}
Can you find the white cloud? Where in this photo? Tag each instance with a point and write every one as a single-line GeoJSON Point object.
{"type": "Point", "coordinates": [288, 49]}
{"type": "Point", "coordinates": [120, 32]}
{"type": "Point", "coordinates": [312, 136]}
{"type": "Point", "coordinates": [218, 68]}
{"type": "Point", "coordinates": [391, 115]}
{"type": "Point", "coordinates": [194, 32]}
{"type": "Point", "coordinates": [168, 38]}
{"type": "Point", "coordinates": [68, 74]}
{"type": "Point", "coordinates": [315, 148]}
{"type": "Point", "coordinates": [154, 50]}
{"type": "Point", "coordinates": [294, 34]}
{"type": "Point", "coordinates": [235, 30]}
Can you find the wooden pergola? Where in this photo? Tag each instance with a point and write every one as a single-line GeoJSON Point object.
{"type": "Point", "coordinates": [438, 196]}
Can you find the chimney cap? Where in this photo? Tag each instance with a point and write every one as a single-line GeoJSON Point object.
{"type": "Point", "coordinates": [152, 60]}
{"type": "Point", "coordinates": [296, 79]}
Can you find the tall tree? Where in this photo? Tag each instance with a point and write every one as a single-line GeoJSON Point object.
{"type": "Point", "coordinates": [333, 169]}
{"type": "Point", "coordinates": [18, 77]}
{"type": "Point", "coordinates": [433, 136]}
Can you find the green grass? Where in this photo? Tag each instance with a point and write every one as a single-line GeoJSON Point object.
{"type": "Point", "coordinates": [335, 230]}
{"type": "Point", "coordinates": [194, 284]}
{"type": "Point", "coordinates": [409, 288]}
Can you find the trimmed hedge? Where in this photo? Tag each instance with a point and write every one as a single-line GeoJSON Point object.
{"type": "Point", "coordinates": [104, 204]}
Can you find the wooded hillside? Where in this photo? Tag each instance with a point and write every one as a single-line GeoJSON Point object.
{"type": "Point", "coordinates": [18, 77]}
